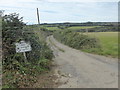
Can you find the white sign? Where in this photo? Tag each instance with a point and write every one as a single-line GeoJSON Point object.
{"type": "Point", "coordinates": [23, 46]}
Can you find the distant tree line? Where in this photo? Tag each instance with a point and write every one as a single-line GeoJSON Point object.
{"type": "Point", "coordinates": [104, 26]}
{"type": "Point", "coordinates": [81, 24]}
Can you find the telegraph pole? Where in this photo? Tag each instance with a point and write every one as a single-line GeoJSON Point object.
{"type": "Point", "coordinates": [38, 16]}
{"type": "Point", "coordinates": [39, 30]}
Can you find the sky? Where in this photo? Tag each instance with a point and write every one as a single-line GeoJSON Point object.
{"type": "Point", "coordinates": [57, 11]}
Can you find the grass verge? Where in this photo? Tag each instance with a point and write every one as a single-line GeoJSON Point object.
{"type": "Point", "coordinates": [109, 44]}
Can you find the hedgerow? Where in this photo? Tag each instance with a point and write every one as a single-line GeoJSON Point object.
{"type": "Point", "coordinates": [76, 40]}
{"type": "Point", "coordinates": [16, 72]}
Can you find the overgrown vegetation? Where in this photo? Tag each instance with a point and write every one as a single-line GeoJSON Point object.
{"type": "Point", "coordinates": [76, 40]}
{"type": "Point", "coordinates": [17, 73]}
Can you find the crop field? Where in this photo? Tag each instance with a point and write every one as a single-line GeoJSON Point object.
{"type": "Point", "coordinates": [109, 43]}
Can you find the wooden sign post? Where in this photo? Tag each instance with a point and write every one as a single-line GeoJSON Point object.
{"type": "Point", "coordinates": [23, 46]}
{"type": "Point", "coordinates": [25, 56]}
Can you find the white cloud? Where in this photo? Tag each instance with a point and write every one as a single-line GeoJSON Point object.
{"type": "Point", "coordinates": [61, 11]}
{"type": "Point", "coordinates": [83, 0]}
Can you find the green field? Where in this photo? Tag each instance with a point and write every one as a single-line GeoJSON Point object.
{"type": "Point", "coordinates": [53, 28]}
{"type": "Point", "coordinates": [82, 27]}
{"type": "Point", "coordinates": [108, 41]}
{"type": "Point", "coordinates": [72, 28]}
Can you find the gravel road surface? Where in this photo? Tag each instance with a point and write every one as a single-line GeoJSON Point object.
{"type": "Point", "coordinates": [77, 69]}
